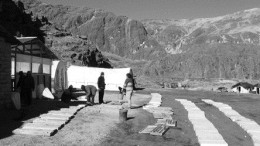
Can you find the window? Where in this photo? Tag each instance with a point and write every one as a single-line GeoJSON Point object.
{"type": "Point", "coordinates": [46, 69]}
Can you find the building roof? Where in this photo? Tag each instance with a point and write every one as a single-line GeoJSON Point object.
{"type": "Point", "coordinates": [9, 38]}
{"type": "Point", "coordinates": [34, 46]}
{"type": "Point", "coordinates": [257, 85]}
{"type": "Point", "coordinates": [244, 85]}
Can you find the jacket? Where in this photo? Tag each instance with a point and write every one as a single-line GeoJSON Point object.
{"type": "Point", "coordinates": [101, 82]}
{"type": "Point", "coordinates": [129, 84]}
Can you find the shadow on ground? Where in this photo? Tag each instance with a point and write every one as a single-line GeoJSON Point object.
{"type": "Point", "coordinates": [12, 119]}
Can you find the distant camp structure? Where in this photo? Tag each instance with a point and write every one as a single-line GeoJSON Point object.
{"type": "Point", "coordinates": [242, 87]}
{"type": "Point", "coordinates": [257, 88]}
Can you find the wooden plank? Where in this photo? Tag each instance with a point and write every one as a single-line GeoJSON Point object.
{"type": "Point", "coordinates": [64, 112]}
{"type": "Point", "coordinates": [54, 117]}
{"type": "Point", "coordinates": [41, 126]}
{"type": "Point", "coordinates": [167, 122]}
{"type": "Point", "coordinates": [162, 116]}
{"type": "Point", "coordinates": [68, 110]}
{"type": "Point", "coordinates": [35, 132]}
{"type": "Point", "coordinates": [50, 122]}
{"type": "Point", "coordinates": [70, 116]}
{"type": "Point", "coordinates": [60, 113]}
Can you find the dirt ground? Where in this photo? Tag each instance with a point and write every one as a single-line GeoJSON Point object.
{"type": "Point", "coordinates": [92, 127]}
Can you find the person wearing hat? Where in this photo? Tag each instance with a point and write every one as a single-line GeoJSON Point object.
{"type": "Point", "coordinates": [101, 87]}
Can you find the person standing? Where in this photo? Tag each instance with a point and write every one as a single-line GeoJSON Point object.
{"type": "Point", "coordinates": [90, 93]}
{"type": "Point", "coordinates": [28, 87]}
{"type": "Point", "coordinates": [101, 87]}
{"type": "Point", "coordinates": [20, 86]}
{"type": "Point", "coordinates": [128, 88]}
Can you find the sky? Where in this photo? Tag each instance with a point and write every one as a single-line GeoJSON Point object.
{"type": "Point", "coordinates": [164, 9]}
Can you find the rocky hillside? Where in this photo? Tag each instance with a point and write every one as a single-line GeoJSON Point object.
{"type": "Point", "coordinates": [110, 33]}
{"type": "Point", "coordinates": [221, 47]}
{"type": "Point", "coordinates": [238, 28]}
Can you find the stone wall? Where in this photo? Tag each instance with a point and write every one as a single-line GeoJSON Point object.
{"type": "Point", "coordinates": [5, 73]}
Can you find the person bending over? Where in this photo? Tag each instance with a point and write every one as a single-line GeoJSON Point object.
{"type": "Point", "coordinates": [90, 93]}
{"type": "Point", "coordinates": [67, 95]}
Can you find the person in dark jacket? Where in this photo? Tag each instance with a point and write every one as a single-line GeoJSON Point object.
{"type": "Point", "coordinates": [101, 87]}
{"type": "Point", "coordinates": [90, 93]}
{"type": "Point", "coordinates": [67, 95]}
{"type": "Point", "coordinates": [28, 87]}
{"type": "Point", "coordinates": [20, 86]}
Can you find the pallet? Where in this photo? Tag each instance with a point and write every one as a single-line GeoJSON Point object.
{"type": "Point", "coordinates": [148, 129]}
{"type": "Point", "coordinates": [160, 129]}
{"type": "Point", "coordinates": [167, 122]}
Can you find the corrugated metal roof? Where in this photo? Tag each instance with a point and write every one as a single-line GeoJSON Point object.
{"type": "Point", "coordinates": [35, 43]}
{"type": "Point", "coordinates": [257, 85]}
{"type": "Point", "coordinates": [25, 39]}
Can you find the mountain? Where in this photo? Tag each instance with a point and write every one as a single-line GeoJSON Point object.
{"type": "Point", "coordinates": [158, 50]}
{"type": "Point", "coordinates": [238, 28]}
{"type": "Point", "coordinates": [220, 47]}
{"type": "Point", "coordinates": [114, 34]}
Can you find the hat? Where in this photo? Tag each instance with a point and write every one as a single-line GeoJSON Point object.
{"type": "Point", "coordinates": [102, 73]}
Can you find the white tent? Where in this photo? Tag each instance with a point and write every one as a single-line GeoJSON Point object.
{"type": "Point", "coordinates": [80, 75]}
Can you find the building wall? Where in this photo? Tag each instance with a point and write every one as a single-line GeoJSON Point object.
{"type": "Point", "coordinates": [257, 90]}
{"type": "Point", "coordinates": [5, 73]}
{"type": "Point", "coordinates": [235, 90]}
{"type": "Point", "coordinates": [243, 90]}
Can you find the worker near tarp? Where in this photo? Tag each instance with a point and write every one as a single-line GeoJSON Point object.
{"type": "Point", "coordinates": [101, 87]}
{"type": "Point", "coordinates": [28, 87]}
{"type": "Point", "coordinates": [90, 93]}
{"type": "Point", "coordinates": [20, 86]}
{"type": "Point", "coordinates": [128, 88]}
{"type": "Point", "coordinates": [67, 95]}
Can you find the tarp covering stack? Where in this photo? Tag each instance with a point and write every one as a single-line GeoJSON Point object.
{"type": "Point", "coordinates": [114, 78]}
{"type": "Point", "coordinates": [65, 75]}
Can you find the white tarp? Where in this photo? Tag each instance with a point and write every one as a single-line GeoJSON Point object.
{"type": "Point", "coordinates": [114, 78]}
{"type": "Point", "coordinates": [63, 76]}
{"type": "Point", "coordinates": [59, 76]}
{"type": "Point", "coordinates": [47, 93]}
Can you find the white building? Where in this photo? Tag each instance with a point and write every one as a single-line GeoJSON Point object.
{"type": "Point", "coordinates": [242, 87]}
{"type": "Point", "coordinates": [257, 88]}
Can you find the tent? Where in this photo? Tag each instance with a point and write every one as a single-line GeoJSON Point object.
{"type": "Point", "coordinates": [66, 75]}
